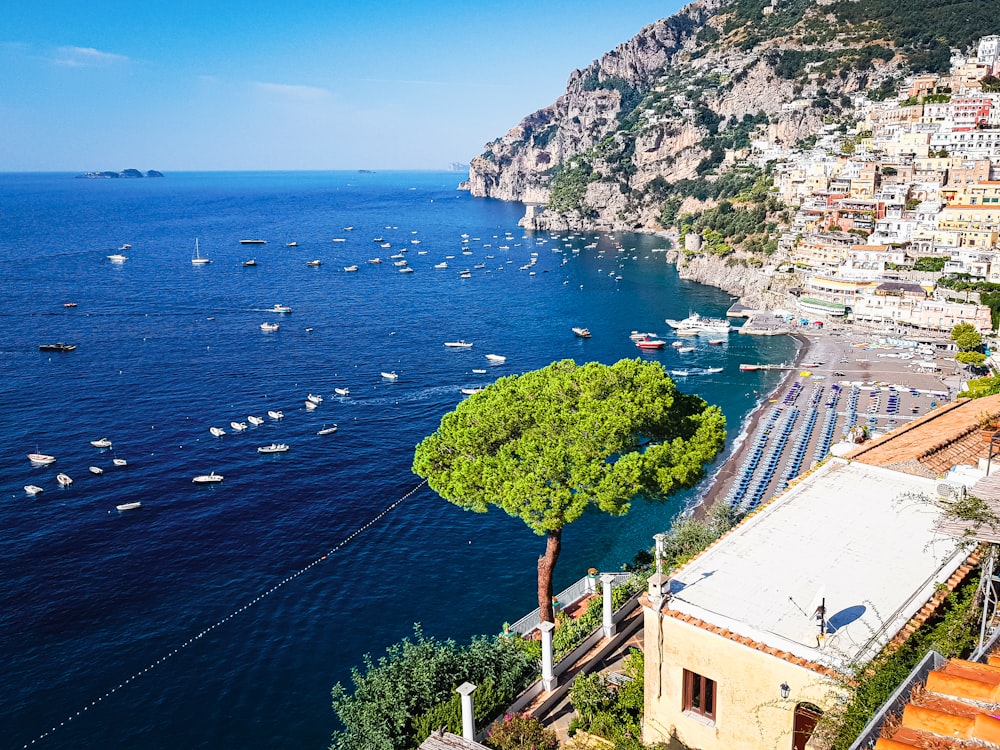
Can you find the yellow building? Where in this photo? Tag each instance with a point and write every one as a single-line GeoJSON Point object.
{"type": "Point", "coordinates": [749, 643]}
{"type": "Point", "coordinates": [977, 226]}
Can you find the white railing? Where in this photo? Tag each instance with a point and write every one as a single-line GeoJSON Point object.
{"type": "Point", "coordinates": [574, 593]}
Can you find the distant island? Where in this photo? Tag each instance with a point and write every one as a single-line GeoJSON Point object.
{"type": "Point", "coordinates": [457, 166]}
{"type": "Point", "coordinates": [128, 173]}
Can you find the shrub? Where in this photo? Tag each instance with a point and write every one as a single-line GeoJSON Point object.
{"type": "Point", "coordinates": [521, 732]}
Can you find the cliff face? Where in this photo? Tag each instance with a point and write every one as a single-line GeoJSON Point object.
{"type": "Point", "coordinates": [662, 103]}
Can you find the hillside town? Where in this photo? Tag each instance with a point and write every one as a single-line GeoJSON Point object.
{"type": "Point", "coordinates": [888, 208]}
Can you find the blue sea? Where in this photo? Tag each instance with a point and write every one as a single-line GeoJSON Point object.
{"type": "Point", "coordinates": [220, 616]}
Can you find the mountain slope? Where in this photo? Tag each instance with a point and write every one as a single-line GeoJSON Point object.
{"type": "Point", "coordinates": [664, 108]}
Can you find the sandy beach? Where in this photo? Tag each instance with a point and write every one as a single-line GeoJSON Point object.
{"type": "Point", "coordinates": [841, 376]}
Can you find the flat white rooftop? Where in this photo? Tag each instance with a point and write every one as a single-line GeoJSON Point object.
{"type": "Point", "coordinates": [860, 536]}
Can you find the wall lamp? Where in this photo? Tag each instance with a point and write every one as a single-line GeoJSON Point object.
{"type": "Point", "coordinates": [784, 690]}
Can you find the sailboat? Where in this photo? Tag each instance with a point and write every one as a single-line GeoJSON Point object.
{"type": "Point", "coordinates": [197, 259]}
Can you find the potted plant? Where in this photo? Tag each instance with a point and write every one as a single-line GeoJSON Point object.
{"type": "Point", "coordinates": [989, 425]}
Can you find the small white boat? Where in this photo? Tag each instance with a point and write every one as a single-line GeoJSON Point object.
{"type": "Point", "coordinates": [119, 462]}
{"type": "Point", "coordinates": [399, 263]}
{"type": "Point", "coordinates": [212, 478]}
{"type": "Point", "coordinates": [310, 405]}
{"type": "Point", "coordinates": [716, 342]}
{"type": "Point", "coordinates": [681, 373]}
{"type": "Point", "coordinates": [342, 391]}
{"type": "Point", "coordinates": [685, 349]}
{"type": "Point", "coordinates": [273, 448]}
{"type": "Point", "coordinates": [217, 431]}
{"type": "Point", "coordinates": [255, 421]}
{"type": "Point", "coordinates": [275, 414]}
{"type": "Point", "coordinates": [350, 269]}
{"type": "Point", "coordinates": [639, 336]}
{"type": "Point", "coordinates": [314, 398]}
{"type": "Point", "coordinates": [129, 506]}
{"type": "Point", "coordinates": [677, 344]}
{"type": "Point", "coordinates": [238, 426]}
{"type": "Point", "coordinates": [374, 261]}
{"type": "Point", "coordinates": [41, 459]}
{"type": "Point", "coordinates": [314, 263]}
{"type": "Point", "coordinates": [293, 243]}
{"type": "Point", "coordinates": [712, 370]}
{"type": "Point", "coordinates": [465, 275]}
{"type": "Point", "coordinates": [280, 309]}
{"type": "Point", "coordinates": [497, 358]}
{"type": "Point", "coordinates": [583, 333]}
{"type": "Point", "coordinates": [197, 260]}
{"type": "Point", "coordinates": [389, 375]}
{"type": "Point", "coordinates": [33, 489]}
{"type": "Point", "coordinates": [102, 443]}
{"type": "Point", "coordinates": [117, 258]}
{"type": "Point", "coordinates": [443, 264]}
{"type": "Point", "coordinates": [478, 372]}
{"type": "Point", "coordinates": [96, 470]}
{"type": "Point", "coordinates": [270, 326]}
{"type": "Point", "coordinates": [406, 270]}
{"type": "Point", "coordinates": [328, 430]}
{"type": "Point", "coordinates": [253, 242]}
{"type": "Point", "coordinates": [64, 480]}
{"type": "Point", "coordinates": [249, 263]}
{"type": "Point", "coordinates": [470, 391]}
{"type": "Point", "coordinates": [460, 344]}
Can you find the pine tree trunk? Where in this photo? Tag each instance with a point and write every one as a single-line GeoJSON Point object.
{"type": "Point", "coordinates": [546, 564]}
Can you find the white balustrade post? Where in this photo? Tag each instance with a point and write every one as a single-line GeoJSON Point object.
{"type": "Point", "coordinates": [468, 717]}
{"type": "Point", "coordinates": [608, 581]}
{"type": "Point", "coordinates": [548, 678]}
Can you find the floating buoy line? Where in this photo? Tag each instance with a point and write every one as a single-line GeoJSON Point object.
{"type": "Point", "coordinates": [253, 602]}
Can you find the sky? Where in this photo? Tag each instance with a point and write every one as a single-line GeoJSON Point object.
{"type": "Point", "coordinates": [306, 84]}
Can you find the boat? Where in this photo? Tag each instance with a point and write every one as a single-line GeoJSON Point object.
{"type": "Point", "coordinates": [249, 263]}
{"type": "Point", "coordinates": [389, 375]}
{"type": "Point", "coordinates": [64, 480]}
{"type": "Point", "coordinates": [399, 263]}
{"type": "Point", "coordinates": [314, 263]}
{"type": "Point", "coordinates": [465, 275]}
{"type": "Point", "coordinates": [69, 304]}
{"type": "Point", "coordinates": [95, 470]}
{"type": "Point", "coordinates": [677, 344]}
{"type": "Point", "coordinates": [41, 459]}
{"type": "Point", "coordinates": [650, 344]}
{"type": "Point", "coordinates": [280, 309]}
{"type": "Point", "coordinates": [310, 405]}
{"type": "Point", "coordinates": [217, 431]}
{"type": "Point", "coordinates": [470, 391]}
{"type": "Point", "coordinates": [327, 430]}
{"type": "Point", "coordinates": [273, 448]}
{"type": "Point", "coordinates": [712, 370]}
{"type": "Point", "coordinates": [351, 269]}
{"type": "Point", "coordinates": [126, 246]}
{"type": "Point", "coordinates": [238, 426]}
{"type": "Point", "coordinates": [129, 506]}
{"type": "Point", "coordinates": [375, 261]}
{"type": "Point", "coordinates": [478, 372]}
{"type": "Point", "coordinates": [270, 326]}
{"type": "Point", "coordinates": [406, 270]}
{"type": "Point", "coordinates": [119, 462]}
{"type": "Point", "coordinates": [57, 347]}
{"type": "Point", "coordinates": [442, 265]}
{"type": "Point", "coordinates": [685, 349]}
{"type": "Point", "coordinates": [255, 421]}
{"type": "Point", "coordinates": [275, 414]}
{"type": "Point", "coordinates": [342, 391]}
{"type": "Point", "coordinates": [680, 373]}
{"type": "Point", "coordinates": [117, 258]}
{"type": "Point", "coordinates": [314, 398]}
{"type": "Point", "coordinates": [296, 244]}
{"type": "Point", "coordinates": [197, 260]}
{"type": "Point", "coordinates": [497, 358]}
{"type": "Point", "coordinates": [385, 245]}
{"type": "Point", "coordinates": [212, 478]}
{"type": "Point", "coordinates": [694, 323]}
{"type": "Point", "coordinates": [583, 333]}
{"type": "Point", "coordinates": [101, 443]}
{"type": "Point", "coordinates": [253, 242]}
{"type": "Point", "coordinates": [460, 344]}
{"type": "Point", "coordinates": [33, 489]}
{"type": "Point", "coordinates": [637, 336]}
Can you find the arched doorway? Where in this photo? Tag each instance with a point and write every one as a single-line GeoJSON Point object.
{"type": "Point", "coordinates": [806, 717]}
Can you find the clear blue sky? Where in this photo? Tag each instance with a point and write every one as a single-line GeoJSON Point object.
{"type": "Point", "coordinates": [310, 84]}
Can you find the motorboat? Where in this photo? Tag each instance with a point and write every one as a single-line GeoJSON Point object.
{"type": "Point", "coordinates": [712, 370]}
{"type": "Point", "coordinates": [638, 336]}
{"type": "Point", "coordinates": [465, 275]}
{"type": "Point", "coordinates": [95, 470]}
{"type": "Point", "coordinates": [684, 349]}
{"type": "Point", "coordinates": [389, 375]}
{"type": "Point", "coordinates": [460, 344]}
{"type": "Point", "coordinates": [217, 431]}
{"type": "Point", "coordinates": [677, 344]}
{"type": "Point", "coordinates": [375, 261]}
{"type": "Point", "coordinates": [680, 373]}
{"type": "Point", "coordinates": [470, 391]}
{"type": "Point", "coordinates": [197, 260]}
{"type": "Point", "coordinates": [57, 347]}
{"type": "Point", "coordinates": [694, 323]}
{"type": "Point", "coordinates": [399, 263]}
{"type": "Point", "coordinates": [314, 262]}
{"type": "Point", "coordinates": [496, 358]}
{"type": "Point", "coordinates": [716, 342]}
{"type": "Point", "coordinates": [33, 489]}
{"type": "Point", "coordinates": [327, 430]}
{"type": "Point", "coordinates": [249, 263]}
{"type": "Point", "coordinates": [310, 405]}
{"type": "Point", "coordinates": [120, 462]}
{"type": "Point", "coordinates": [238, 426]}
{"type": "Point", "coordinates": [255, 421]}
{"type": "Point", "coordinates": [406, 269]}
{"type": "Point", "coordinates": [583, 333]}
{"type": "Point", "coordinates": [117, 258]}
{"type": "Point", "coordinates": [270, 326]}
{"type": "Point", "coordinates": [64, 480]}
{"type": "Point", "coordinates": [41, 459]}
{"type": "Point", "coordinates": [101, 443]}
{"type": "Point", "coordinates": [291, 244]}
{"type": "Point", "coordinates": [314, 398]}
{"type": "Point", "coordinates": [212, 478]}
{"type": "Point", "coordinates": [342, 391]}
{"type": "Point", "coordinates": [442, 265]}
{"type": "Point", "coordinates": [129, 506]}
{"type": "Point", "coordinates": [275, 414]}
{"type": "Point", "coordinates": [69, 304]}
{"type": "Point", "coordinates": [280, 309]}
{"type": "Point", "coordinates": [350, 269]}
{"type": "Point", "coordinates": [253, 242]}
{"type": "Point", "coordinates": [651, 344]}
{"type": "Point", "coordinates": [273, 448]}
{"type": "Point", "coordinates": [478, 372]}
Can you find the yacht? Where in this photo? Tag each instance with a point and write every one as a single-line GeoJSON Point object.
{"type": "Point", "coordinates": [280, 309]}
{"type": "Point", "coordinates": [197, 260]}
{"type": "Point", "coordinates": [212, 478]}
{"type": "Point", "coordinates": [217, 431]}
{"type": "Point", "coordinates": [273, 448]}
{"type": "Point", "coordinates": [694, 323]}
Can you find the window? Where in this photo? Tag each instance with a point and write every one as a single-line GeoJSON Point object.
{"type": "Point", "coordinates": [699, 695]}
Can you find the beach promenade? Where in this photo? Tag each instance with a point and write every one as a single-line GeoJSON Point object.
{"type": "Point", "coordinates": [842, 378]}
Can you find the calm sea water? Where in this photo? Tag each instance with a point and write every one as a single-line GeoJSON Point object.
{"type": "Point", "coordinates": [92, 597]}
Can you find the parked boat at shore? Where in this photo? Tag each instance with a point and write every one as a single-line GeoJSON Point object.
{"type": "Point", "coordinates": [694, 324]}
